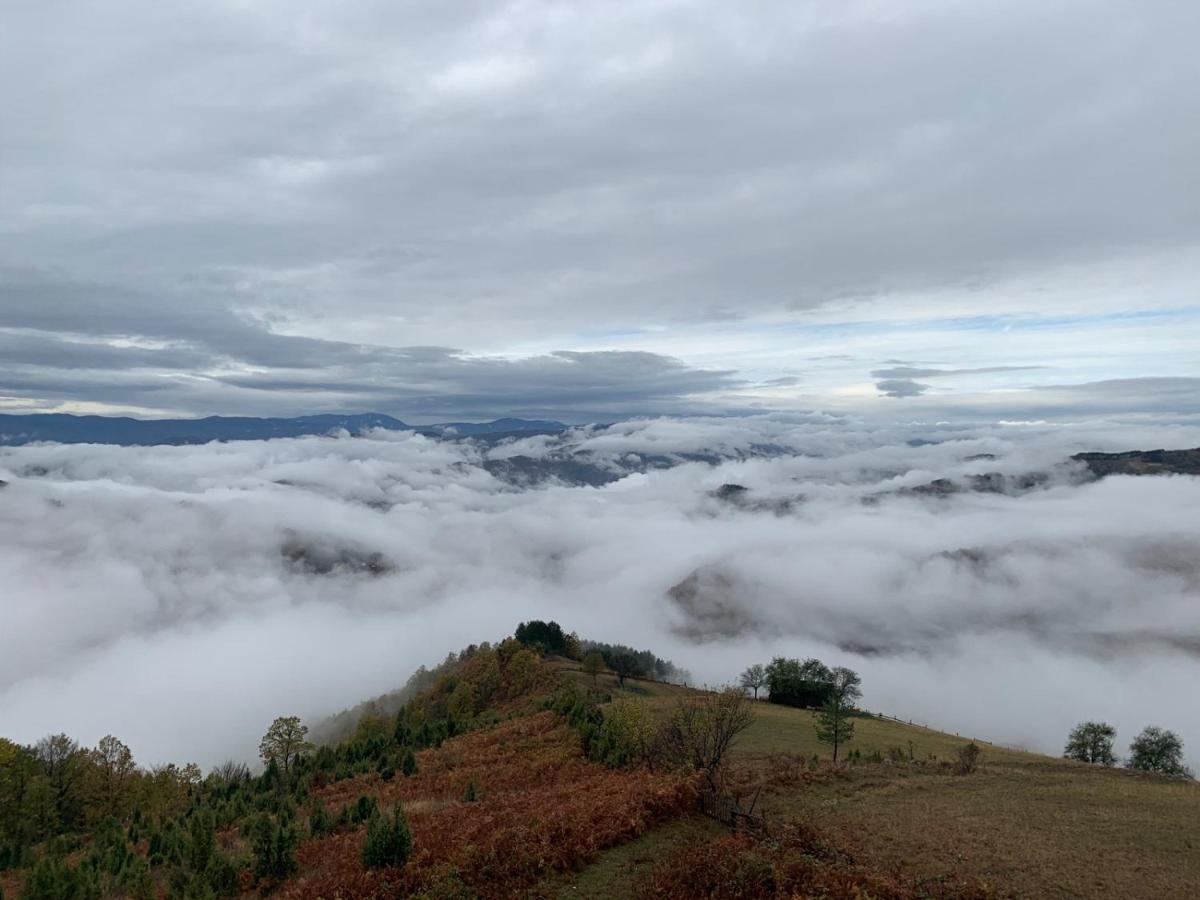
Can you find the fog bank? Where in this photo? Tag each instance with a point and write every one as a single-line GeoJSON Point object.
{"type": "Point", "coordinates": [181, 597]}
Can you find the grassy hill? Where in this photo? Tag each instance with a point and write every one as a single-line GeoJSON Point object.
{"type": "Point", "coordinates": [1023, 824]}
{"type": "Point", "coordinates": [504, 767]}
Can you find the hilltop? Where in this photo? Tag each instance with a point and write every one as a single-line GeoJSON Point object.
{"type": "Point", "coordinates": [537, 768]}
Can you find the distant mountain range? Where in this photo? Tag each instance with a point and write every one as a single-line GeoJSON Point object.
{"type": "Point", "coordinates": [16, 430]}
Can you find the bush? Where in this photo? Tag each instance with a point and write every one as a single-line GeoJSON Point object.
{"type": "Point", "coordinates": [388, 843]}
{"type": "Point", "coordinates": [319, 823]}
{"type": "Point", "coordinates": [968, 758]}
{"type": "Point", "coordinates": [55, 879]}
{"type": "Point", "coordinates": [364, 809]}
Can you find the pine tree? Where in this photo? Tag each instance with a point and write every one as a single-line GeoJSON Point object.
{"type": "Point", "coordinates": [410, 762]}
{"type": "Point", "coordinates": [388, 843]}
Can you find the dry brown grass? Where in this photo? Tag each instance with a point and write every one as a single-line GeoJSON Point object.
{"type": "Point", "coordinates": [1050, 829]}
{"type": "Point", "coordinates": [1031, 825]}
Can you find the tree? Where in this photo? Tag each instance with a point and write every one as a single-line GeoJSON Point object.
{"type": "Point", "coordinates": [1158, 750]}
{"type": "Point", "coordinates": [626, 665]}
{"type": "Point", "coordinates": [388, 843]}
{"type": "Point", "coordinates": [754, 678]}
{"type": "Point", "coordinates": [544, 637]}
{"type": "Point", "coordinates": [115, 768]}
{"type": "Point", "coordinates": [284, 742]}
{"type": "Point", "coordinates": [702, 729]}
{"type": "Point", "coordinates": [19, 774]}
{"type": "Point", "coordinates": [846, 685]}
{"type": "Point", "coordinates": [274, 846]}
{"type": "Point", "coordinates": [593, 664]}
{"type": "Point", "coordinates": [409, 764]}
{"type": "Point", "coordinates": [794, 682]}
{"type": "Point", "coordinates": [833, 723]}
{"type": "Point", "coordinates": [1091, 742]}
{"type": "Point", "coordinates": [63, 764]}
{"type": "Point", "coordinates": [573, 646]}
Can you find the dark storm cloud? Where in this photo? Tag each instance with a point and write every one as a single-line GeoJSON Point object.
{"type": "Point", "coordinates": [224, 177]}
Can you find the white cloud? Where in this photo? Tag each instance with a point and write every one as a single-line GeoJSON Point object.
{"type": "Point", "coordinates": [149, 595]}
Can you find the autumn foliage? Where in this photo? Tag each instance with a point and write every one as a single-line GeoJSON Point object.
{"type": "Point", "coordinates": [793, 861]}
{"type": "Point", "coordinates": [542, 809]}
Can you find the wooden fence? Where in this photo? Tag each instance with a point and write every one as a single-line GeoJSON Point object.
{"type": "Point", "coordinates": [726, 810]}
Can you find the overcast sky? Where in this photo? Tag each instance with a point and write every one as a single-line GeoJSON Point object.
{"type": "Point", "coordinates": [589, 210]}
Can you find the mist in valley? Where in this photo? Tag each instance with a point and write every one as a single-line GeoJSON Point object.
{"type": "Point", "coordinates": [182, 597]}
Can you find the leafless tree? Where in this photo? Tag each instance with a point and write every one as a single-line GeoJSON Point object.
{"type": "Point", "coordinates": [702, 728]}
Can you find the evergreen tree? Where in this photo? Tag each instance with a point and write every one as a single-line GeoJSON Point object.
{"type": "Point", "coordinates": [833, 725]}
{"type": "Point", "coordinates": [388, 843]}
{"type": "Point", "coordinates": [274, 846]}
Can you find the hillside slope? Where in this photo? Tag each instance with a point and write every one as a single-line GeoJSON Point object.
{"type": "Point", "coordinates": [519, 775]}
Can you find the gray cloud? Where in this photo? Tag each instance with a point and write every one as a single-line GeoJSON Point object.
{"type": "Point", "coordinates": [901, 387]}
{"type": "Point", "coordinates": [900, 381]}
{"type": "Point", "coordinates": [229, 178]}
{"type": "Point", "coordinates": [913, 372]}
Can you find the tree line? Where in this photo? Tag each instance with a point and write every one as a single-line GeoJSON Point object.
{"type": "Point", "coordinates": [1156, 749]}
{"type": "Point", "coordinates": [810, 684]}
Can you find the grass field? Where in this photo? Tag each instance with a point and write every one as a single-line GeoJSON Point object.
{"type": "Point", "coordinates": [1053, 829]}
{"type": "Point", "coordinates": [1027, 824]}
{"type": "Point", "coordinates": [782, 729]}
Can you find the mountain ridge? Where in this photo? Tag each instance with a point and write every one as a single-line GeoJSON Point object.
{"type": "Point", "coordinates": [126, 431]}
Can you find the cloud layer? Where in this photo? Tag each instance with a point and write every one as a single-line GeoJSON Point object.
{"type": "Point", "coordinates": [182, 597]}
{"type": "Point", "coordinates": [231, 207]}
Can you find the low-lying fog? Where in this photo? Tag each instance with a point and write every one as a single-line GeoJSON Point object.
{"type": "Point", "coordinates": [181, 597]}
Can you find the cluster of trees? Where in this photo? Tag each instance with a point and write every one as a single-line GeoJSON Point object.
{"type": "Point", "coordinates": [57, 797]}
{"type": "Point", "coordinates": [794, 682]}
{"type": "Point", "coordinates": [549, 638]}
{"type": "Point", "coordinates": [627, 662]}
{"type": "Point", "coordinates": [77, 819]}
{"type": "Point", "coordinates": [811, 684]}
{"type": "Point", "coordinates": [1154, 750]}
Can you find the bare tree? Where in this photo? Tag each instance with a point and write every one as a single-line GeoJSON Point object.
{"type": "Point", "coordinates": [702, 729]}
{"type": "Point", "coordinates": [754, 678]}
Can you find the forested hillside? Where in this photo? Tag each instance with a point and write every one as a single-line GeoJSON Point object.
{"type": "Point", "coordinates": [537, 767]}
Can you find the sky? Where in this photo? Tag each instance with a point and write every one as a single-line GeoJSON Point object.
{"type": "Point", "coordinates": [932, 210]}
{"type": "Point", "coordinates": [844, 247]}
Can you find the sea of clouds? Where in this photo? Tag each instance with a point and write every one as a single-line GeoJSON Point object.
{"type": "Point", "coordinates": [181, 597]}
